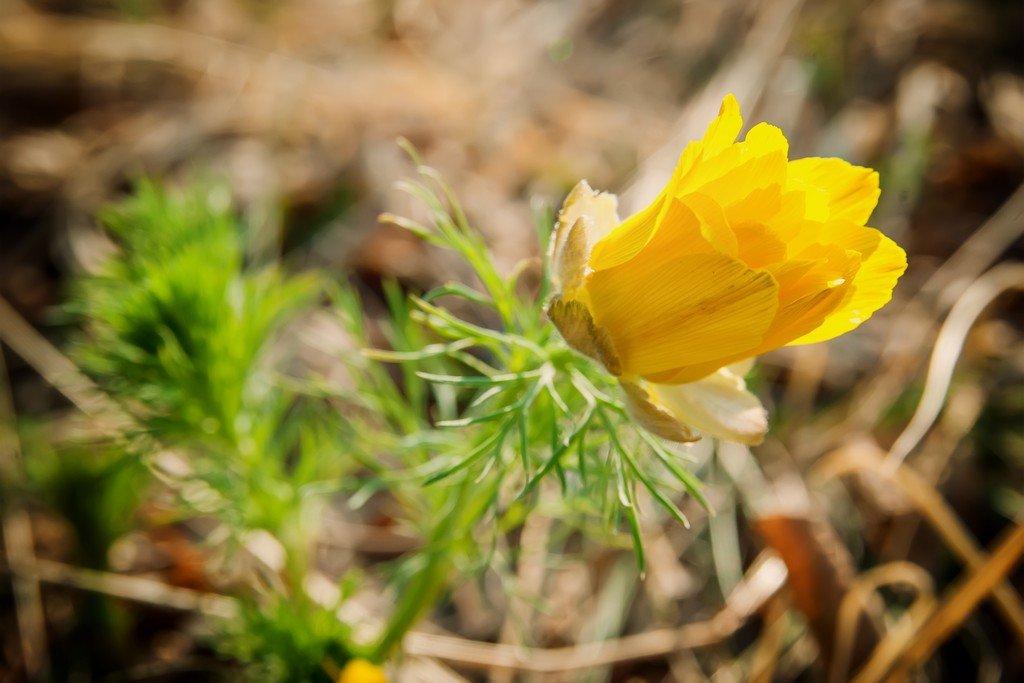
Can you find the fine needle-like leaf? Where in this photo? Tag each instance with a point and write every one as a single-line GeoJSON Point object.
{"type": "Point", "coordinates": [628, 503]}
{"type": "Point", "coordinates": [495, 439]}
{"type": "Point", "coordinates": [479, 380]}
{"type": "Point", "coordinates": [429, 351]}
{"type": "Point", "coordinates": [460, 290]}
{"type": "Point", "coordinates": [574, 437]}
{"type": "Point", "coordinates": [688, 480]}
{"type": "Point", "coordinates": [477, 419]}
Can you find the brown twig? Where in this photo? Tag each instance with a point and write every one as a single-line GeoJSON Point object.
{"type": "Point", "coordinates": [950, 342]}
{"type": "Point", "coordinates": [959, 602]}
{"type": "Point", "coordinates": [18, 545]}
{"type": "Point", "coordinates": [762, 582]}
{"type": "Point", "coordinates": [932, 506]}
{"type": "Point", "coordinates": [56, 368]}
{"type": "Point", "coordinates": [134, 588]}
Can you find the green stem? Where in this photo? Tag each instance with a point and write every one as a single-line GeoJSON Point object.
{"type": "Point", "coordinates": [467, 504]}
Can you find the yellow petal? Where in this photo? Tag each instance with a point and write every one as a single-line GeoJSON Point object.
{"type": "Point", "coordinates": [628, 239]}
{"type": "Point", "coordinates": [883, 262]}
{"type": "Point", "coordinates": [718, 405]}
{"type": "Point", "coordinates": [758, 206]}
{"type": "Point", "coordinates": [759, 246]}
{"type": "Point", "coordinates": [757, 162]}
{"type": "Point", "coordinates": [800, 317]}
{"type": "Point", "coordinates": [852, 190]}
{"type": "Point", "coordinates": [683, 233]}
{"type": "Point", "coordinates": [724, 128]}
{"type": "Point", "coordinates": [692, 310]}
{"type": "Point", "coordinates": [809, 291]}
{"type": "Point", "coordinates": [714, 225]}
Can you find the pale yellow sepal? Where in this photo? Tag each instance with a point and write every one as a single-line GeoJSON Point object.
{"type": "Point", "coordinates": [718, 405]}
{"type": "Point", "coordinates": [362, 671]}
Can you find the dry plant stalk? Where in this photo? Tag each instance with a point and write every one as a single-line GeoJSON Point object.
{"type": "Point", "coordinates": [18, 544]}
{"type": "Point", "coordinates": [866, 455]}
{"type": "Point", "coordinates": [820, 571]}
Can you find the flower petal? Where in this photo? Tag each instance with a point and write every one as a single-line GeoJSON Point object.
{"type": "Point", "coordinates": [570, 268]}
{"type": "Point", "coordinates": [601, 208]}
{"type": "Point", "coordinates": [883, 262]}
{"type": "Point", "coordinates": [628, 239]}
{"type": "Point", "coordinates": [683, 232]}
{"type": "Point", "coordinates": [714, 223]}
{"type": "Point", "coordinates": [362, 671]}
{"type": "Point", "coordinates": [809, 291]}
{"type": "Point", "coordinates": [694, 309]}
{"type": "Point", "coordinates": [852, 190]}
{"type": "Point", "coordinates": [718, 405]}
{"type": "Point", "coordinates": [757, 162]}
{"type": "Point", "coordinates": [724, 128]}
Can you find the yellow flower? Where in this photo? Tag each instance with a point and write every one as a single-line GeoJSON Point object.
{"type": "Point", "coordinates": [362, 671]}
{"type": "Point", "coordinates": [744, 251]}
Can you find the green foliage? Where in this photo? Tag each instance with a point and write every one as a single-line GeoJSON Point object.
{"type": "Point", "coordinates": [536, 408]}
{"type": "Point", "coordinates": [486, 417]}
{"type": "Point", "coordinates": [288, 640]}
{"type": "Point", "coordinates": [182, 327]}
{"type": "Point", "coordinates": [96, 487]}
{"type": "Point", "coordinates": [467, 426]}
{"type": "Point", "coordinates": [178, 321]}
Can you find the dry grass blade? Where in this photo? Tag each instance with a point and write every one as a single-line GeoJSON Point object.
{"type": "Point", "coordinates": [762, 582]}
{"type": "Point", "coordinates": [948, 346]}
{"type": "Point", "coordinates": [769, 645]}
{"type": "Point", "coordinates": [18, 545]}
{"type": "Point", "coordinates": [895, 663]}
{"type": "Point", "coordinates": [932, 506]}
{"type": "Point", "coordinates": [425, 670]}
{"type": "Point", "coordinates": [950, 281]}
{"type": "Point", "coordinates": [56, 369]}
{"type": "Point", "coordinates": [134, 588]}
{"type": "Point", "coordinates": [964, 598]}
{"type": "Point", "coordinates": [858, 599]}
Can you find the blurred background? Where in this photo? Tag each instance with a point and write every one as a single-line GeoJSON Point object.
{"type": "Point", "coordinates": [292, 107]}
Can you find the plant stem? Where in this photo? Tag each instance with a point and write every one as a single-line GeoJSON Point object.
{"type": "Point", "coordinates": [467, 504]}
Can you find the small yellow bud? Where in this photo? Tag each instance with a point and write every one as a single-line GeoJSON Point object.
{"type": "Point", "coordinates": [362, 671]}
